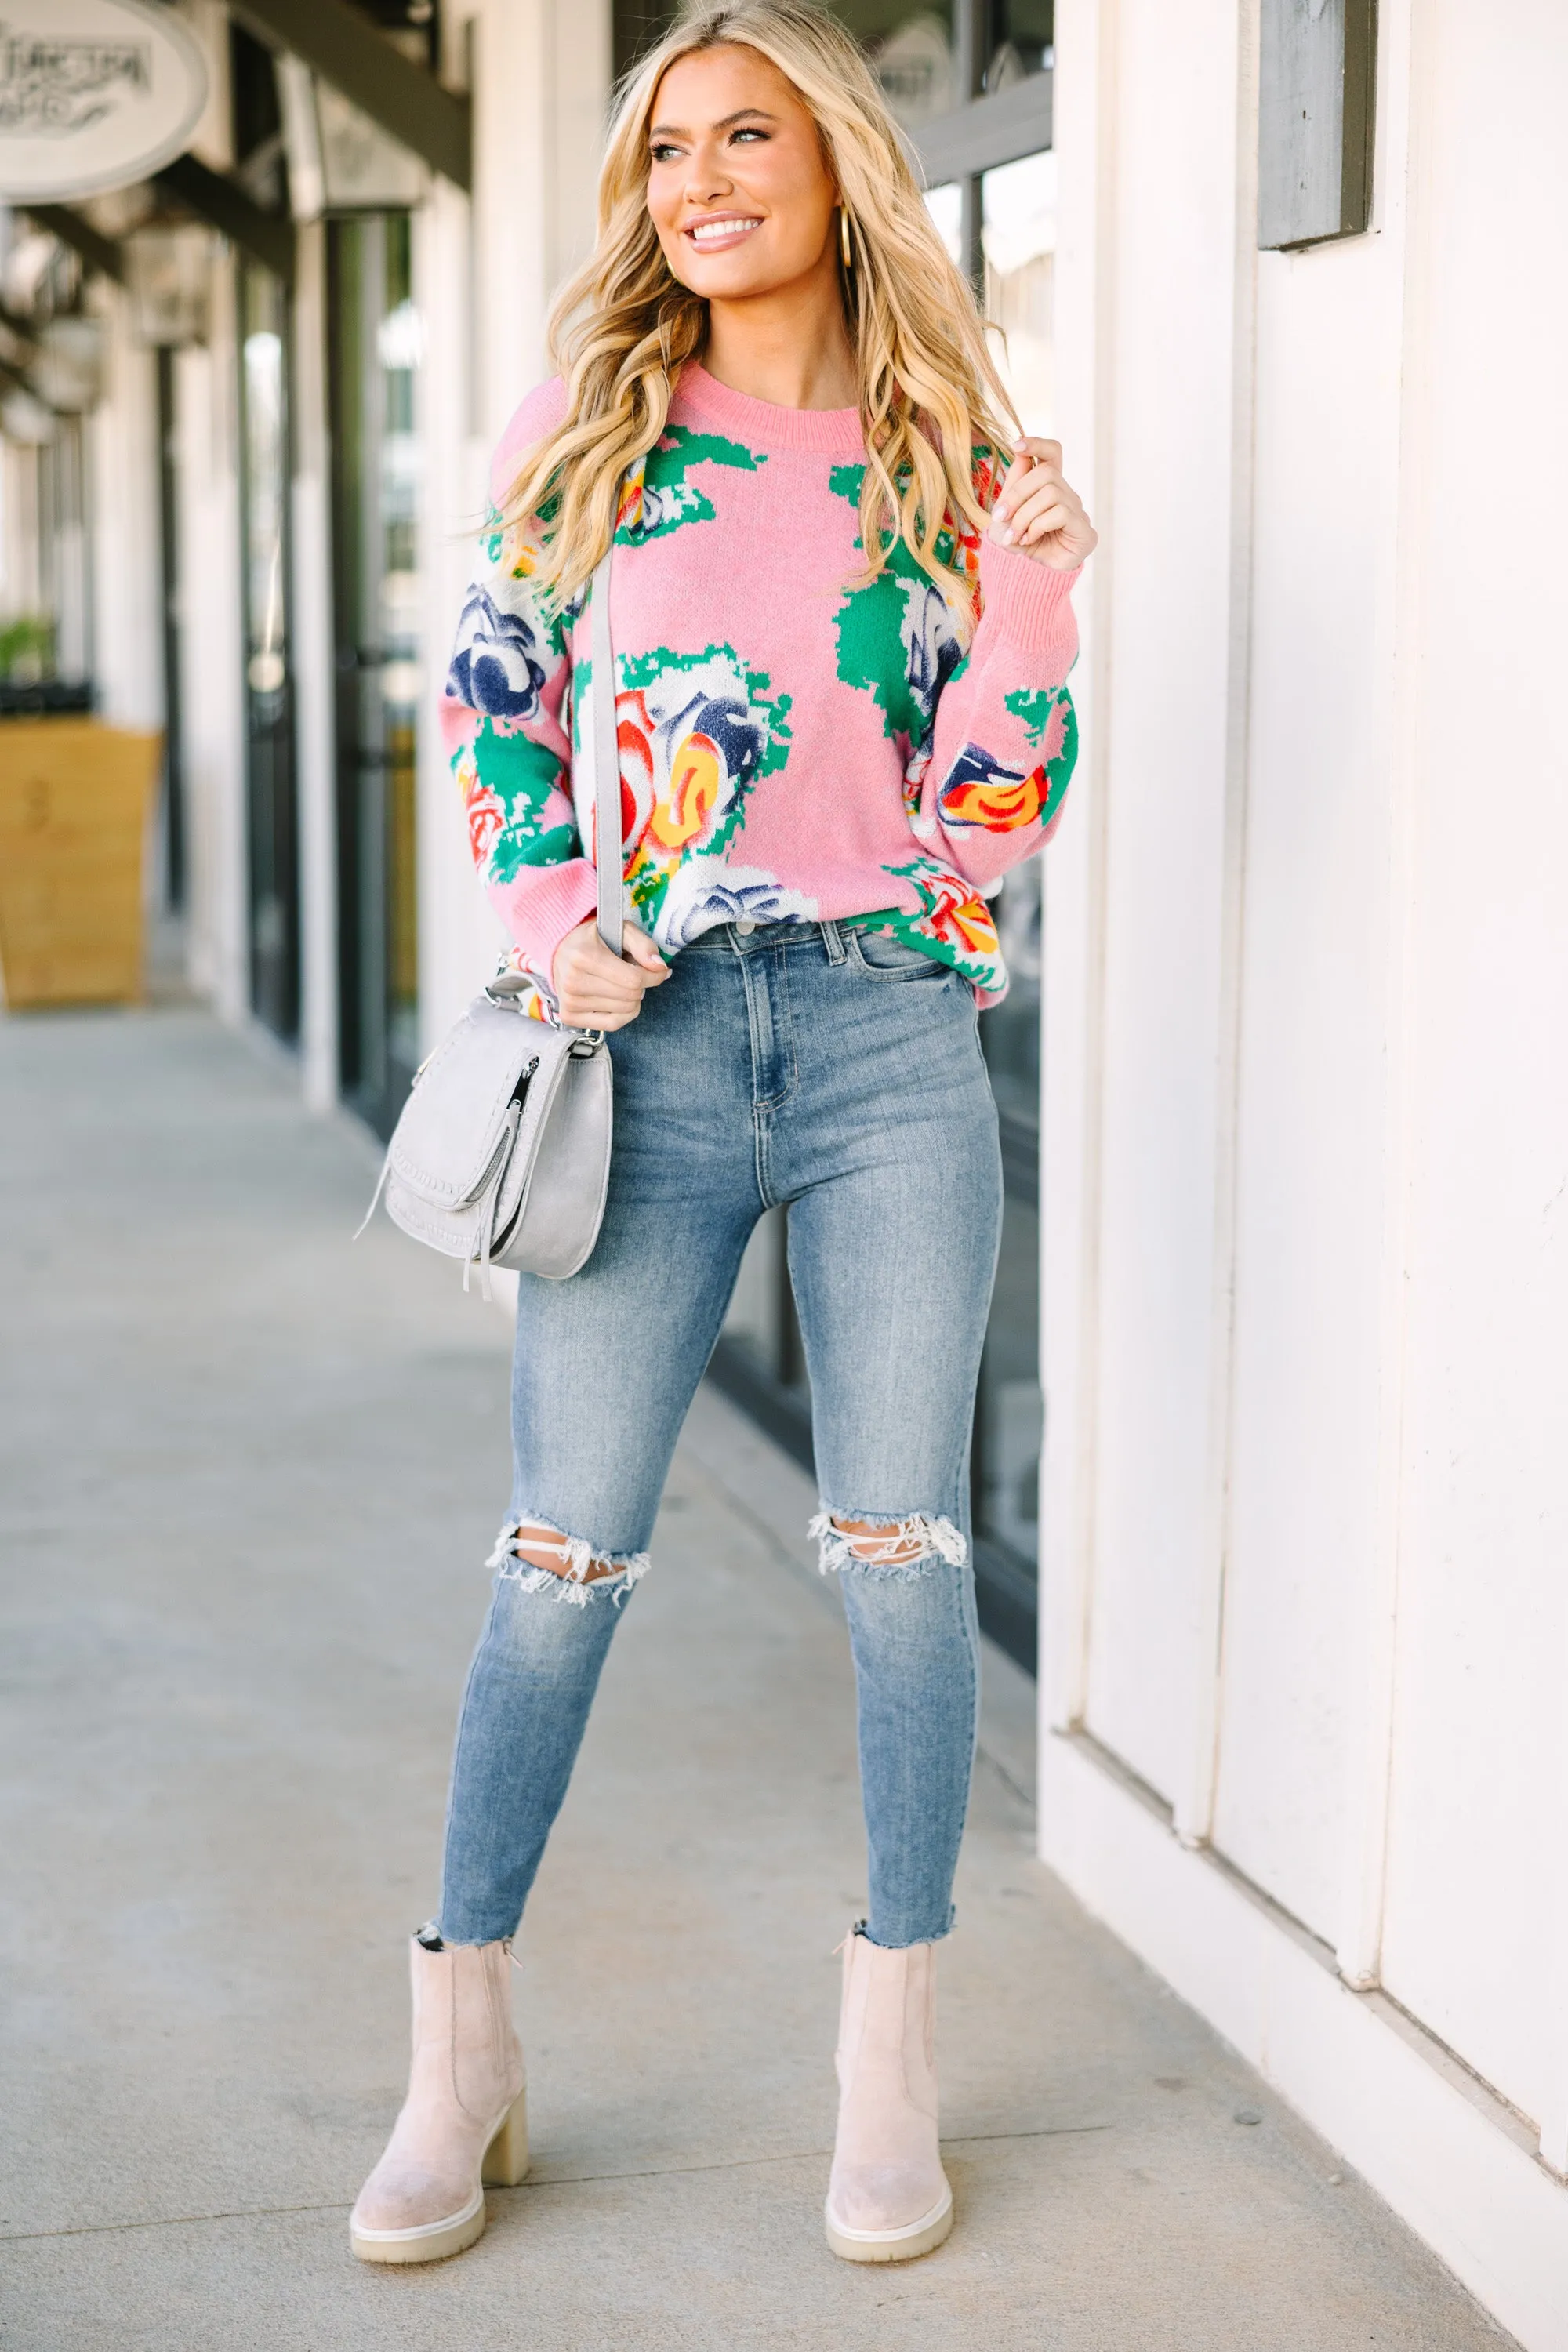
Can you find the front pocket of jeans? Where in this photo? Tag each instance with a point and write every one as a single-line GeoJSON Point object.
{"type": "Point", "coordinates": [882, 955]}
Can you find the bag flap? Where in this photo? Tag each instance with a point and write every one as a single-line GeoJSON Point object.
{"type": "Point", "coordinates": [454, 1125]}
{"type": "Point", "coordinates": [545, 1089]}
{"type": "Point", "coordinates": [567, 1175]}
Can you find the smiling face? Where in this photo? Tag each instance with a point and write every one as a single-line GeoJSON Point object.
{"type": "Point", "coordinates": [737, 188]}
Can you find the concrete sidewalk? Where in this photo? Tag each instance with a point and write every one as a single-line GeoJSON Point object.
{"type": "Point", "coordinates": [249, 1477]}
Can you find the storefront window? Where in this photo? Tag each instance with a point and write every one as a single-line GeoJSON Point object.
{"type": "Point", "coordinates": [1008, 1411]}
{"type": "Point", "coordinates": [375, 353]}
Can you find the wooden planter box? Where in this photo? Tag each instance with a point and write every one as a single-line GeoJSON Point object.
{"type": "Point", "coordinates": [74, 803]}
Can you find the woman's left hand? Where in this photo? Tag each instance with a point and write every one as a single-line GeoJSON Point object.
{"type": "Point", "coordinates": [1039, 514]}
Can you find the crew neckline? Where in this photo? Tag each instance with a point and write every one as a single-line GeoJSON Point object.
{"type": "Point", "coordinates": [762, 424]}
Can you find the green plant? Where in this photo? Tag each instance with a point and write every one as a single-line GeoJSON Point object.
{"type": "Point", "coordinates": [27, 649]}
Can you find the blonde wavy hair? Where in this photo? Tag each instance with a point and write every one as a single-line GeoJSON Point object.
{"type": "Point", "coordinates": [622, 329]}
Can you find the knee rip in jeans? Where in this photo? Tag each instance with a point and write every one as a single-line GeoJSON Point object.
{"type": "Point", "coordinates": [572, 1569]}
{"type": "Point", "coordinates": [865, 1544]}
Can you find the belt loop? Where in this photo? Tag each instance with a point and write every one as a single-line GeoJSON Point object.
{"type": "Point", "coordinates": [833, 941]}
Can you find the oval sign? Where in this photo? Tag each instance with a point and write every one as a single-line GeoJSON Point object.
{"type": "Point", "coordinates": [93, 94]}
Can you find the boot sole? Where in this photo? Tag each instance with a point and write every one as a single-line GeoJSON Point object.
{"type": "Point", "coordinates": [505, 2165]}
{"type": "Point", "coordinates": [432, 2242]}
{"type": "Point", "coordinates": [921, 2237]}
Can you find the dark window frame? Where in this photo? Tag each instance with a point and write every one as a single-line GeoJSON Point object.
{"type": "Point", "coordinates": [374, 1077]}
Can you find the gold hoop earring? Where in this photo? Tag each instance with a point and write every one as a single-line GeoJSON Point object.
{"type": "Point", "coordinates": [844, 237]}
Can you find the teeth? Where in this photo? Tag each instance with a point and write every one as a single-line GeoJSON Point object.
{"type": "Point", "coordinates": [711, 232]}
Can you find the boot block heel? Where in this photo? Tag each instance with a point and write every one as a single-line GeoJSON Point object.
{"type": "Point", "coordinates": [506, 2158]}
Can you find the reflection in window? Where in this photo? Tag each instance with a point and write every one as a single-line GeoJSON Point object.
{"type": "Point", "coordinates": [1018, 239]}
{"type": "Point", "coordinates": [931, 61]}
{"type": "Point", "coordinates": [1017, 41]}
{"type": "Point", "coordinates": [916, 66]}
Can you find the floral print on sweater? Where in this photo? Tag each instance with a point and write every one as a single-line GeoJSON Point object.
{"type": "Point", "coordinates": [792, 747]}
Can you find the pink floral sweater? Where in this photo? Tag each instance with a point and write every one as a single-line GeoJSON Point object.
{"type": "Point", "coordinates": [791, 748]}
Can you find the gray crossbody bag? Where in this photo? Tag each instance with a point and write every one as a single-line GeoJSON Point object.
{"type": "Point", "coordinates": [502, 1156]}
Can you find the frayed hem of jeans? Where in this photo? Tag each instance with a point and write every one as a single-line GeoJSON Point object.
{"type": "Point", "coordinates": [841, 1555]}
{"type": "Point", "coordinates": [861, 1928]}
{"type": "Point", "coordinates": [431, 1939]}
{"type": "Point", "coordinates": [570, 1581]}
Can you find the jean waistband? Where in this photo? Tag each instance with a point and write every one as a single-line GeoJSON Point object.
{"type": "Point", "coordinates": [746, 938]}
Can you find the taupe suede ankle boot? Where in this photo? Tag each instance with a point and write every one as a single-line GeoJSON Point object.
{"type": "Point", "coordinates": [887, 2196]}
{"type": "Point", "coordinates": [463, 2122]}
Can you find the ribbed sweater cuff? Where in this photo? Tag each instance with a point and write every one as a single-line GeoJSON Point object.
{"type": "Point", "coordinates": [1025, 602]}
{"type": "Point", "coordinates": [542, 905]}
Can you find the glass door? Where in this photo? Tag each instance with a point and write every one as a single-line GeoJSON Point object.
{"type": "Point", "coordinates": [272, 821]}
{"type": "Point", "coordinates": [374, 357]}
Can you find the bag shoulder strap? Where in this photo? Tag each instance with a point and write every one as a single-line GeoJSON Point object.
{"type": "Point", "coordinates": [606, 761]}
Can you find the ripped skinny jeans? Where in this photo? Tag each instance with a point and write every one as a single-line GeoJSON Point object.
{"type": "Point", "coordinates": [839, 1071]}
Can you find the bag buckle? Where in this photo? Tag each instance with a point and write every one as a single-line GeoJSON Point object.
{"type": "Point", "coordinates": [508, 986]}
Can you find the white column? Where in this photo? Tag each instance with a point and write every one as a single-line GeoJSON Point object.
{"type": "Point", "coordinates": [461, 941]}
{"type": "Point", "coordinates": [541, 76]}
{"type": "Point", "coordinates": [485, 274]}
{"type": "Point", "coordinates": [1144, 883]}
{"type": "Point", "coordinates": [1404, 131]}
{"type": "Point", "coordinates": [122, 525]}
{"type": "Point", "coordinates": [315, 745]}
{"type": "Point", "coordinates": [1193, 1796]}
{"type": "Point", "coordinates": [514, 200]}
{"type": "Point", "coordinates": [211, 655]}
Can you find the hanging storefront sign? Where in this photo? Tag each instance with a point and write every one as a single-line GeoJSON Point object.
{"type": "Point", "coordinates": [93, 95]}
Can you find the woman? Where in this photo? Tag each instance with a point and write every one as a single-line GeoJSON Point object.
{"type": "Point", "coordinates": [841, 627]}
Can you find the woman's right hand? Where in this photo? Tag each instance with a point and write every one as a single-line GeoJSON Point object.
{"type": "Point", "coordinates": [599, 991]}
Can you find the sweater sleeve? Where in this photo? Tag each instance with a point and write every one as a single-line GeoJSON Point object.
{"type": "Point", "coordinates": [504, 718]}
{"type": "Point", "coordinates": [992, 780]}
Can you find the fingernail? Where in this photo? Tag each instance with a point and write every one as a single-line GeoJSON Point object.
{"type": "Point", "coordinates": [1006, 535]}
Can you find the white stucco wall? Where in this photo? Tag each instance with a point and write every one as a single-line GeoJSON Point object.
{"type": "Point", "coordinates": [1306, 1143]}
{"type": "Point", "coordinates": [1476, 1845]}
{"type": "Point", "coordinates": [122, 523]}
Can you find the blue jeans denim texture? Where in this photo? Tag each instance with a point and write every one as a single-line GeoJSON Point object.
{"type": "Point", "coordinates": [840, 1072]}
